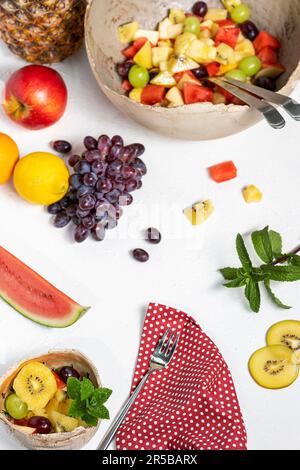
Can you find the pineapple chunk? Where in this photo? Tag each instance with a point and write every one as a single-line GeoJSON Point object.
{"type": "Point", "coordinates": [144, 56]}
{"type": "Point", "coordinates": [227, 68]}
{"type": "Point", "coordinates": [244, 49]}
{"type": "Point", "coordinates": [160, 54]}
{"type": "Point", "coordinates": [163, 28]}
{"type": "Point", "coordinates": [127, 32]}
{"type": "Point", "coordinates": [216, 14]}
{"type": "Point", "coordinates": [205, 34]}
{"type": "Point", "coordinates": [252, 194]}
{"type": "Point", "coordinates": [136, 94]}
{"type": "Point", "coordinates": [177, 16]}
{"type": "Point", "coordinates": [165, 79]}
{"type": "Point", "coordinates": [163, 66]}
{"type": "Point", "coordinates": [181, 63]}
{"type": "Point", "coordinates": [152, 36]}
{"type": "Point", "coordinates": [230, 4]}
{"type": "Point", "coordinates": [225, 54]}
{"type": "Point", "coordinates": [175, 30]}
{"type": "Point", "coordinates": [199, 213]}
{"type": "Point", "coordinates": [198, 51]}
{"type": "Point", "coordinates": [186, 78]}
{"type": "Point", "coordinates": [175, 98]}
{"type": "Point", "coordinates": [183, 42]}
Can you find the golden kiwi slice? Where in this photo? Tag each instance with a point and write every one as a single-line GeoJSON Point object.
{"type": "Point", "coordinates": [273, 367]}
{"type": "Point", "coordinates": [286, 333]}
{"type": "Point", "coordinates": [35, 385]}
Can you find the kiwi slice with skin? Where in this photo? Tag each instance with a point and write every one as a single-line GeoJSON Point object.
{"type": "Point", "coordinates": [273, 367]}
{"type": "Point", "coordinates": [35, 385]}
{"type": "Point", "coordinates": [286, 333]}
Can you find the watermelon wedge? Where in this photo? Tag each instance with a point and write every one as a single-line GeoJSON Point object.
{"type": "Point", "coordinates": [34, 297]}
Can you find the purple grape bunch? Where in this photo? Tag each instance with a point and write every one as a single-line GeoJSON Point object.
{"type": "Point", "coordinates": [103, 178]}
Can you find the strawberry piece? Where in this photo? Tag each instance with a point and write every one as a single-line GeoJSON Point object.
{"type": "Point", "coordinates": [265, 39]}
{"type": "Point", "coordinates": [153, 94]}
{"type": "Point", "coordinates": [223, 172]}
{"type": "Point", "coordinates": [268, 55]}
{"type": "Point", "coordinates": [196, 94]}
{"type": "Point", "coordinates": [228, 35]}
{"type": "Point", "coordinates": [213, 69]}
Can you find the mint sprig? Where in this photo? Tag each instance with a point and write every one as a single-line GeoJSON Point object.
{"type": "Point", "coordinates": [277, 267]}
{"type": "Point", "coordinates": [88, 401]}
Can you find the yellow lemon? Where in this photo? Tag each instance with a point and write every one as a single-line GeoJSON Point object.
{"type": "Point", "coordinates": [9, 155]}
{"type": "Point", "coordinates": [41, 178]}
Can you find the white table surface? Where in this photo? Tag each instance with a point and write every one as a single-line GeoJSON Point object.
{"type": "Point", "coordinates": [182, 271]}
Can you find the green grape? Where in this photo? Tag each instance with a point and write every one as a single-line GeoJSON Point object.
{"type": "Point", "coordinates": [236, 75]}
{"type": "Point", "coordinates": [15, 407]}
{"type": "Point", "coordinates": [250, 65]}
{"type": "Point", "coordinates": [192, 25]}
{"type": "Point", "coordinates": [240, 13]}
{"type": "Point", "coordinates": [138, 76]}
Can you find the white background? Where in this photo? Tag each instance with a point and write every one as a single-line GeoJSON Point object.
{"type": "Point", "coordinates": [182, 271]}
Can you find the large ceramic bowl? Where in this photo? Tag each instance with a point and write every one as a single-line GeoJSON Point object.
{"type": "Point", "coordinates": [201, 121]}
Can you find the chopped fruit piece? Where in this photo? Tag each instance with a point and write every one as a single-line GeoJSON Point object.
{"type": "Point", "coordinates": [136, 94]}
{"type": "Point", "coordinates": [252, 194]}
{"type": "Point", "coordinates": [25, 429]}
{"type": "Point", "coordinates": [268, 55]}
{"type": "Point", "coordinates": [213, 69]}
{"type": "Point", "coordinates": [272, 367]}
{"type": "Point", "coordinates": [223, 172]}
{"type": "Point", "coordinates": [165, 43]}
{"type": "Point", "coordinates": [177, 16]}
{"type": "Point", "coordinates": [240, 13]}
{"type": "Point", "coordinates": [196, 94]}
{"type": "Point", "coordinates": [138, 76]}
{"type": "Point", "coordinates": [165, 79]}
{"type": "Point", "coordinates": [199, 213]}
{"type": "Point", "coordinates": [218, 98]}
{"type": "Point", "coordinates": [174, 96]}
{"type": "Point", "coordinates": [225, 54]}
{"type": "Point", "coordinates": [163, 28]}
{"type": "Point", "coordinates": [59, 383]}
{"type": "Point", "coordinates": [127, 32]}
{"type": "Point", "coordinates": [139, 43]}
{"type": "Point", "coordinates": [228, 36]}
{"type": "Point", "coordinates": [175, 30]}
{"type": "Point", "coordinates": [198, 51]}
{"type": "Point", "coordinates": [192, 25]}
{"type": "Point", "coordinates": [163, 66]}
{"type": "Point", "coordinates": [126, 85]}
{"type": "Point", "coordinates": [181, 64]}
{"type": "Point", "coordinates": [243, 49]}
{"type": "Point", "coordinates": [226, 23]}
{"type": "Point", "coordinates": [152, 36]}
{"type": "Point", "coordinates": [250, 66]}
{"type": "Point", "coordinates": [224, 69]}
{"type": "Point", "coordinates": [129, 52]}
{"type": "Point", "coordinates": [161, 54]}
{"type": "Point", "coordinates": [144, 56]}
{"type": "Point", "coordinates": [35, 385]}
{"type": "Point", "coordinates": [230, 4]}
{"type": "Point", "coordinates": [216, 14]}
{"type": "Point", "coordinates": [183, 42]}
{"type": "Point", "coordinates": [265, 39]}
{"type": "Point", "coordinates": [187, 77]}
{"type": "Point", "coordinates": [153, 94]}
{"type": "Point", "coordinates": [62, 423]}
{"type": "Point", "coordinates": [178, 76]}
{"type": "Point", "coordinates": [236, 75]}
{"type": "Point", "coordinates": [270, 70]}
{"type": "Point", "coordinates": [286, 333]}
{"type": "Point", "coordinates": [15, 407]}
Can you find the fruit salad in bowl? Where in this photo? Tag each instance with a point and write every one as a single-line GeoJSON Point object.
{"type": "Point", "coordinates": [170, 66]}
{"type": "Point", "coordinates": [53, 401]}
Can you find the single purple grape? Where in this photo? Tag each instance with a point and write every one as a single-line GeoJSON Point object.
{"type": "Point", "coordinates": [81, 234]}
{"type": "Point", "coordinates": [250, 30]}
{"type": "Point", "coordinates": [41, 424]}
{"type": "Point", "coordinates": [92, 155]}
{"type": "Point", "coordinates": [73, 160]}
{"type": "Point", "coordinates": [99, 232]}
{"type": "Point", "coordinates": [266, 82]}
{"type": "Point", "coordinates": [128, 171]}
{"type": "Point", "coordinates": [140, 255]}
{"type": "Point", "coordinates": [65, 202]}
{"type": "Point", "coordinates": [131, 185]}
{"type": "Point", "coordinates": [200, 72]}
{"type": "Point", "coordinates": [90, 179]}
{"type": "Point", "coordinates": [61, 220]}
{"type": "Point", "coordinates": [75, 181]}
{"type": "Point", "coordinates": [114, 168]}
{"type": "Point", "coordinates": [200, 9]}
{"type": "Point", "coordinates": [90, 143]}
{"type": "Point", "coordinates": [113, 196]}
{"type": "Point", "coordinates": [82, 167]}
{"type": "Point", "coordinates": [104, 185]}
{"type": "Point", "coordinates": [71, 210]}
{"type": "Point", "coordinates": [62, 146]}
{"type": "Point", "coordinates": [114, 153]}
{"type": "Point", "coordinates": [117, 140]}
{"type": "Point", "coordinates": [89, 222]}
{"type": "Point", "coordinates": [99, 167]}
{"type": "Point", "coordinates": [68, 371]}
{"type": "Point", "coordinates": [153, 235]}
{"type": "Point", "coordinates": [140, 166]}
{"type": "Point", "coordinates": [104, 145]}
{"type": "Point", "coordinates": [84, 190]}
{"type": "Point", "coordinates": [82, 214]}
{"type": "Point", "coordinates": [123, 68]}
{"type": "Point", "coordinates": [87, 202]}
{"type": "Point", "coordinates": [54, 208]}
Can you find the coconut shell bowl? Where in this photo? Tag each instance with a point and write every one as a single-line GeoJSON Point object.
{"type": "Point", "coordinates": [203, 121]}
{"type": "Point", "coordinates": [55, 441]}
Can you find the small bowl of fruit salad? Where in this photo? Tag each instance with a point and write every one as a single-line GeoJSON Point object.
{"type": "Point", "coordinates": [154, 59]}
{"type": "Point", "coordinates": [54, 401]}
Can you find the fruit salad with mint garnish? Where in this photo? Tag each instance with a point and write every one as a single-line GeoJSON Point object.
{"type": "Point", "coordinates": [170, 66]}
{"type": "Point", "coordinates": [44, 401]}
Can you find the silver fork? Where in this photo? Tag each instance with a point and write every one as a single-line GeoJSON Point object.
{"type": "Point", "coordinates": [160, 358]}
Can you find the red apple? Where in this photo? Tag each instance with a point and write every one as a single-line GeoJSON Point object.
{"type": "Point", "coordinates": [35, 97]}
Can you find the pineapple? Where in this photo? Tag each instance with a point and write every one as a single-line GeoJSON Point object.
{"type": "Point", "coordinates": [44, 31]}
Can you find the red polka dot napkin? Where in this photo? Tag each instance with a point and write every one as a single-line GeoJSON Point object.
{"type": "Point", "coordinates": [190, 405]}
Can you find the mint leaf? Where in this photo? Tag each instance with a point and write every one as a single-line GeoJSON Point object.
{"type": "Point", "coordinates": [102, 395]}
{"type": "Point", "coordinates": [73, 388]}
{"type": "Point", "coordinates": [77, 409]}
{"type": "Point", "coordinates": [239, 282]}
{"type": "Point", "coordinates": [90, 420]}
{"type": "Point", "coordinates": [262, 245]}
{"type": "Point", "coordinates": [295, 260]}
{"type": "Point", "coordinates": [283, 273]}
{"type": "Point", "coordinates": [87, 389]}
{"type": "Point", "coordinates": [252, 293]}
{"type": "Point", "coordinates": [276, 242]}
{"type": "Point", "coordinates": [229, 273]}
{"type": "Point", "coordinates": [243, 253]}
{"type": "Point", "coordinates": [273, 296]}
